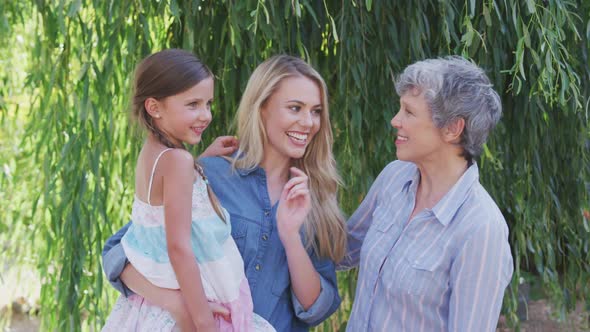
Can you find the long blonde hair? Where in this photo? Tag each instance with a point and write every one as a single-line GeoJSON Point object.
{"type": "Point", "coordinates": [324, 227]}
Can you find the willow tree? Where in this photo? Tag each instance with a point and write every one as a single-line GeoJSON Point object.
{"type": "Point", "coordinates": [78, 153]}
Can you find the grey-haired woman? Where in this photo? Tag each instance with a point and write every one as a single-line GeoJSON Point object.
{"type": "Point", "coordinates": [431, 244]}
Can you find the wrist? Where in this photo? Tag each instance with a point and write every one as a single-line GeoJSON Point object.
{"type": "Point", "coordinates": [204, 323]}
{"type": "Point", "coordinates": [291, 240]}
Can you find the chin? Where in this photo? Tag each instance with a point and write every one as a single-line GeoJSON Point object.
{"type": "Point", "coordinates": [401, 157]}
{"type": "Point", "coordinates": [295, 154]}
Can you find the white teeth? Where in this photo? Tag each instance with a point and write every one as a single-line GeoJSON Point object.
{"type": "Point", "coordinates": [300, 137]}
{"type": "Point", "coordinates": [402, 138]}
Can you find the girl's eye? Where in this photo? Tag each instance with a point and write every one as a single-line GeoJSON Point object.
{"type": "Point", "coordinates": [295, 108]}
{"type": "Point", "coordinates": [317, 111]}
{"type": "Point", "coordinates": [193, 104]}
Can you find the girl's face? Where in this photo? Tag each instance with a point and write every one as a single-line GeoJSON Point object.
{"type": "Point", "coordinates": [183, 117]}
{"type": "Point", "coordinates": [291, 117]}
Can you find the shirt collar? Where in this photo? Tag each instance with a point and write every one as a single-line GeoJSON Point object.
{"type": "Point", "coordinates": [242, 171]}
{"type": "Point", "coordinates": [445, 209]}
{"type": "Point", "coordinates": [247, 171]}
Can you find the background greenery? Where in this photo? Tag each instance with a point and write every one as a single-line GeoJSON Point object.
{"type": "Point", "coordinates": [67, 153]}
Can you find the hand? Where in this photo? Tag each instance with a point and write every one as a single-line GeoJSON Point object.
{"type": "Point", "coordinates": [221, 146]}
{"type": "Point", "coordinates": [294, 205]}
{"type": "Point", "coordinates": [219, 310]}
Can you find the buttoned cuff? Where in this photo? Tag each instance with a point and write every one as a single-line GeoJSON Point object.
{"type": "Point", "coordinates": [113, 262]}
{"type": "Point", "coordinates": [320, 309]}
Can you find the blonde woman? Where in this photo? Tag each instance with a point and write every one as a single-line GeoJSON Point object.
{"type": "Point", "coordinates": [284, 129]}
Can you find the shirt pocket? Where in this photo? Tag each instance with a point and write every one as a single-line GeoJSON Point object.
{"type": "Point", "coordinates": [282, 279]}
{"type": "Point", "coordinates": [239, 230]}
{"type": "Point", "coordinates": [427, 274]}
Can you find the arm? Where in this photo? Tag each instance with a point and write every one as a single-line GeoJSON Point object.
{"type": "Point", "coordinates": [294, 206]}
{"type": "Point", "coordinates": [478, 278]}
{"type": "Point", "coordinates": [178, 169]}
{"type": "Point", "coordinates": [221, 146]}
{"type": "Point", "coordinates": [314, 287]}
{"type": "Point", "coordinates": [328, 299]}
{"type": "Point", "coordinates": [358, 224]}
{"type": "Point", "coordinates": [114, 261]}
{"type": "Point", "coordinates": [170, 300]}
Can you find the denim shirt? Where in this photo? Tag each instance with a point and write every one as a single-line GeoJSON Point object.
{"type": "Point", "coordinates": [243, 193]}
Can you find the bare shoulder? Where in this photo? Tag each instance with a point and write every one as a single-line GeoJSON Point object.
{"type": "Point", "coordinates": [177, 162]}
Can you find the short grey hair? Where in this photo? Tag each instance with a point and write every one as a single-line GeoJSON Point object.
{"type": "Point", "coordinates": [455, 88]}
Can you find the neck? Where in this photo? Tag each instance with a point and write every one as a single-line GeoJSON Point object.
{"type": "Point", "coordinates": [438, 177]}
{"type": "Point", "coordinates": [276, 169]}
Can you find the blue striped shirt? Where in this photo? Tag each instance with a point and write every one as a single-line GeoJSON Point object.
{"type": "Point", "coordinates": [446, 270]}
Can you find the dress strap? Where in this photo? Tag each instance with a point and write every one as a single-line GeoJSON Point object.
{"type": "Point", "coordinates": [152, 175]}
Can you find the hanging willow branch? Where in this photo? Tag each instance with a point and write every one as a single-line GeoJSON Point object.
{"type": "Point", "coordinates": [78, 152]}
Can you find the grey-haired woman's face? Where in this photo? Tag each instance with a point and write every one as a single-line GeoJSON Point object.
{"type": "Point", "coordinates": [418, 139]}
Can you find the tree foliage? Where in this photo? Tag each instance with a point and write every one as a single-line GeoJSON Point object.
{"type": "Point", "coordinates": [76, 153]}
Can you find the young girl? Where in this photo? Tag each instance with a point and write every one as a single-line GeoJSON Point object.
{"type": "Point", "coordinates": [179, 229]}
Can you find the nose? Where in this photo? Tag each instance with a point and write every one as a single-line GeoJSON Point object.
{"type": "Point", "coordinates": [305, 119]}
{"type": "Point", "coordinates": [395, 121]}
{"type": "Point", "coordinates": [205, 114]}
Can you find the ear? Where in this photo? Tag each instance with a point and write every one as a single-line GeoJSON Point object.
{"type": "Point", "coordinates": [152, 106]}
{"type": "Point", "coordinates": [452, 132]}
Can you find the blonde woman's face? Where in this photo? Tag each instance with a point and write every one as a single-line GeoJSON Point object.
{"type": "Point", "coordinates": [291, 117]}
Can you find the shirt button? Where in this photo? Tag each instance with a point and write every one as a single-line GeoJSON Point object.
{"type": "Point", "coordinates": [266, 213]}
{"type": "Point", "coordinates": [257, 267]}
{"type": "Point", "coordinates": [264, 237]}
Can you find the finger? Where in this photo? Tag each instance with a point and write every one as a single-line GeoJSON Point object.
{"type": "Point", "coordinates": [295, 181]}
{"type": "Point", "coordinates": [303, 193]}
{"type": "Point", "coordinates": [228, 150]}
{"type": "Point", "coordinates": [298, 186]}
{"type": "Point", "coordinates": [228, 141]}
{"type": "Point", "coordinates": [296, 172]}
{"type": "Point", "coordinates": [217, 308]}
{"type": "Point", "coordinates": [226, 317]}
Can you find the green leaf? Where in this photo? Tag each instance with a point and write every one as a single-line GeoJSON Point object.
{"type": "Point", "coordinates": [74, 8]}
{"type": "Point", "coordinates": [486, 15]}
{"type": "Point", "coordinates": [174, 9]}
{"type": "Point", "coordinates": [530, 4]}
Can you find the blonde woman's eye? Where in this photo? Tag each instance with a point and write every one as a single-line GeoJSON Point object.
{"type": "Point", "coordinates": [317, 111]}
{"type": "Point", "coordinates": [295, 108]}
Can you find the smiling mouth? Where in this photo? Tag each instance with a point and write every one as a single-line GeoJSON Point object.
{"type": "Point", "coordinates": [297, 136]}
{"type": "Point", "coordinates": [198, 130]}
{"type": "Point", "coordinates": [402, 138]}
